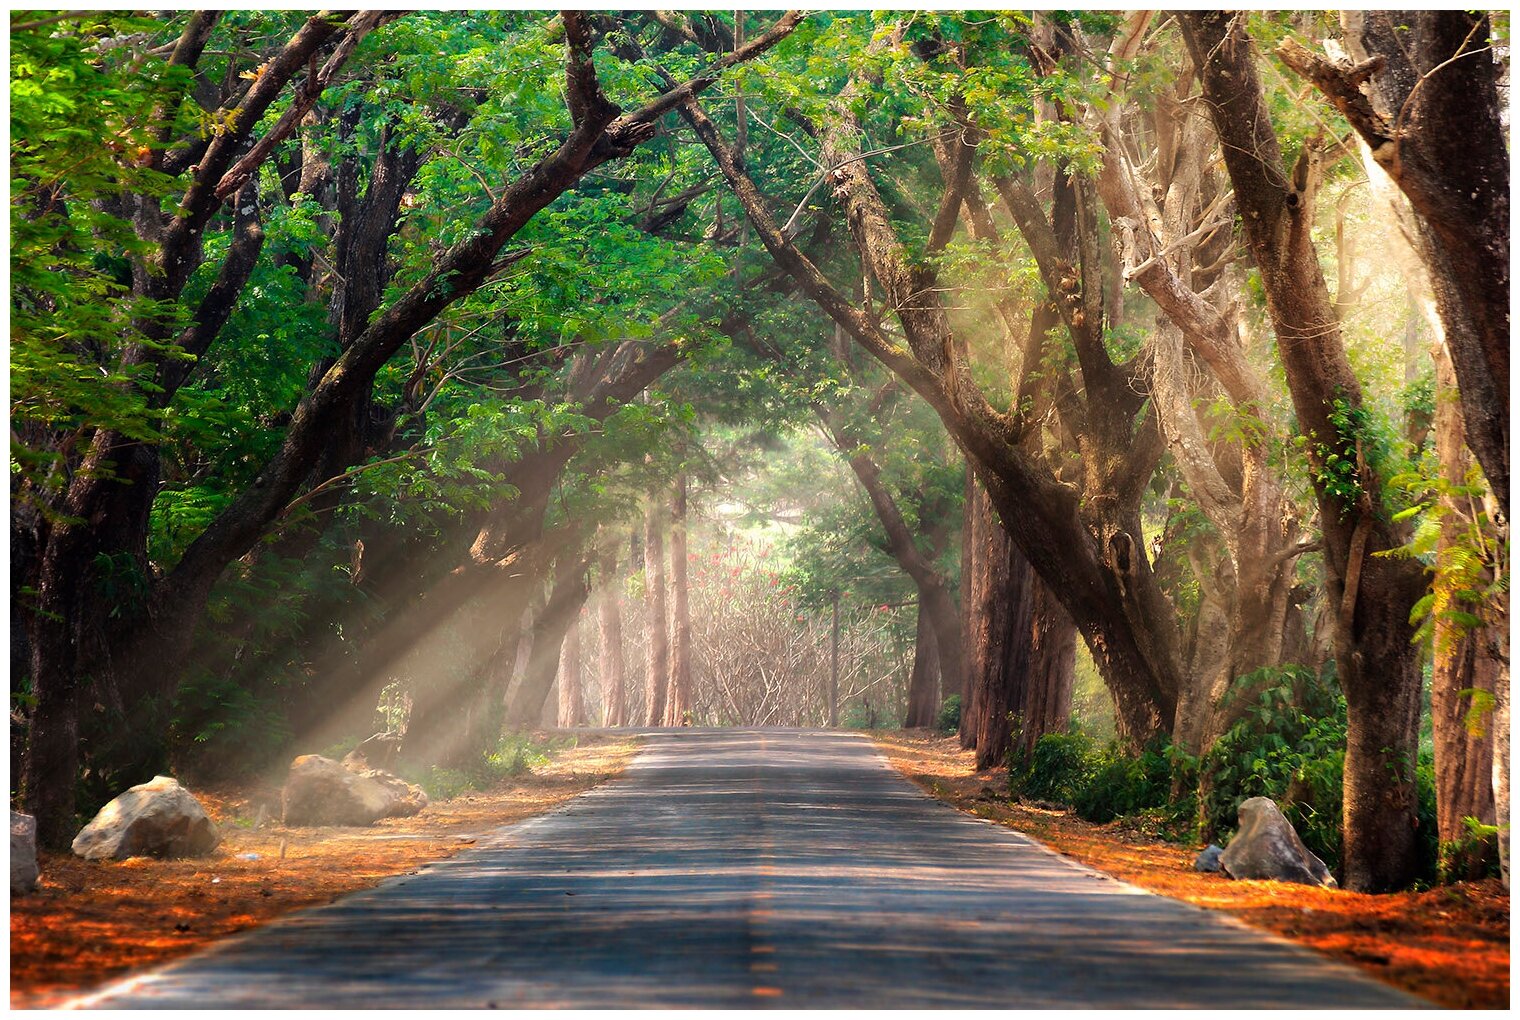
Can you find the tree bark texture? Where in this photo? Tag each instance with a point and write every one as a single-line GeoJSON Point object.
{"type": "Point", "coordinates": [1466, 667]}
{"type": "Point", "coordinates": [1020, 647]}
{"type": "Point", "coordinates": [566, 597]}
{"type": "Point", "coordinates": [923, 682]}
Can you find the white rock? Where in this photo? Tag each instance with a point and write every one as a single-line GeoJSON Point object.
{"type": "Point", "coordinates": [320, 791]}
{"type": "Point", "coordinates": [157, 819]}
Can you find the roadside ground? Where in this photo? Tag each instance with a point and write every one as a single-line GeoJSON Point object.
{"type": "Point", "coordinates": [1449, 944]}
{"type": "Point", "coordinates": [92, 921]}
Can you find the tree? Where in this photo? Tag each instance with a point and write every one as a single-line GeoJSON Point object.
{"type": "Point", "coordinates": [1020, 644]}
{"type": "Point", "coordinates": [572, 704]}
{"type": "Point", "coordinates": [610, 632]}
{"type": "Point", "coordinates": [656, 622]}
{"type": "Point", "coordinates": [1431, 116]}
{"type": "Point", "coordinates": [1377, 666]}
{"type": "Point", "coordinates": [1468, 659]}
{"type": "Point", "coordinates": [1101, 573]}
{"type": "Point", "coordinates": [678, 706]}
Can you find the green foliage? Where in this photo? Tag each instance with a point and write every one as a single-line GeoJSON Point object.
{"type": "Point", "coordinates": [949, 718]}
{"type": "Point", "coordinates": [1289, 746]}
{"type": "Point", "coordinates": [516, 754]}
{"type": "Point", "coordinates": [1102, 782]}
{"type": "Point", "coordinates": [1058, 769]}
{"type": "Point", "coordinates": [224, 729]}
{"type": "Point", "coordinates": [79, 124]}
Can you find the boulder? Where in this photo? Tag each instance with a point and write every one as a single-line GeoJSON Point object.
{"type": "Point", "coordinates": [320, 791]}
{"type": "Point", "coordinates": [157, 819]}
{"type": "Point", "coordinates": [1209, 859]}
{"type": "Point", "coordinates": [377, 752]}
{"type": "Point", "coordinates": [1267, 847]}
{"type": "Point", "coordinates": [23, 853]}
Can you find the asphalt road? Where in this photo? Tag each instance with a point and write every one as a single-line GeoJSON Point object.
{"type": "Point", "coordinates": [768, 868]}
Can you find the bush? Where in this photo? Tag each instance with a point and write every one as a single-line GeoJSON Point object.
{"type": "Point", "coordinates": [1058, 769]}
{"type": "Point", "coordinates": [949, 719]}
{"type": "Point", "coordinates": [515, 755]}
{"type": "Point", "coordinates": [1121, 784]}
{"type": "Point", "coordinates": [1291, 747]}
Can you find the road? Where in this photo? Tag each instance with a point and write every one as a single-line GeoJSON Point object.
{"type": "Point", "coordinates": [768, 868]}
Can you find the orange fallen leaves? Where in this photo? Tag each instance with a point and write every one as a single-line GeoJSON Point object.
{"type": "Point", "coordinates": [1449, 944]}
{"type": "Point", "coordinates": [92, 921]}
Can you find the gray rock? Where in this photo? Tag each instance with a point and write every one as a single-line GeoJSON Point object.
{"type": "Point", "coordinates": [1209, 859]}
{"type": "Point", "coordinates": [1266, 847]}
{"type": "Point", "coordinates": [157, 819]}
{"type": "Point", "coordinates": [320, 791]}
{"type": "Point", "coordinates": [24, 871]}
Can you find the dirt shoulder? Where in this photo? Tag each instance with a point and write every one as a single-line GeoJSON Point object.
{"type": "Point", "coordinates": [90, 922]}
{"type": "Point", "coordinates": [1449, 944]}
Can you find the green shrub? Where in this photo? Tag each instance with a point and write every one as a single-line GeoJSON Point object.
{"type": "Point", "coordinates": [1289, 746]}
{"type": "Point", "coordinates": [446, 784]}
{"type": "Point", "coordinates": [949, 719]}
{"type": "Point", "coordinates": [1121, 784]}
{"type": "Point", "coordinates": [515, 755]}
{"type": "Point", "coordinates": [1058, 769]}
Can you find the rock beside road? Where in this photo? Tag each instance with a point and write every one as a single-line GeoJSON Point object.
{"type": "Point", "coordinates": [320, 791]}
{"type": "Point", "coordinates": [24, 871]}
{"type": "Point", "coordinates": [156, 819]}
{"type": "Point", "coordinates": [1209, 859]}
{"type": "Point", "coordinates": [1267, 847]}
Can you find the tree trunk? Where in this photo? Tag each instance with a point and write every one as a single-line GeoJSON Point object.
{"type": "Point", "coordinates": [1501, 767]}
{"type": "Point", "coordinates": [678, 709]}
{"type": "Point", "coordinates": [657, 662]}
{"type": "Point", "coordinates": [1466, 670]}
{"type": "Point", "coordinates": [1378, 667]}
{"type": "Point", "coordinates": [973, 521]}
{"type": "Point", "coordinates": [609, 613]}
{"type": "Point", "coordinates": [1020, 649]}
{"type": "Point", "coordinates": [923, 682]}
{"type": "Point", "coordinates": [1089, 555]}
{"type": "Point", "coordinates": [1052, 669]}
{"type": "Point", "coordinates": [572, 711]}
{"type": "Point", "coordinates": [569, 593]}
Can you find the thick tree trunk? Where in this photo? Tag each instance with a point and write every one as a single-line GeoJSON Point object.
{"type": "Point", "coordinates": [1378, 667]}
{"type": "Point", "coordinates": [1020, 649]}
{"type": "Point", "coordinates": [572, 705]}
{"type": "Point", "coordinates": [1052, 669]}
{"type": "Point", "coordinates": [1466, 667]}
{"type": "Point", "coordinates": [923, 682]}
{"type": "Point", "coordinates": [678, 708]}
{"type": "Point", "coordinates": [610, 627]}
{"type": "Point", "coordinates": [976, 522]}
{"type": "Point", "coordinates": [1501, 768]}
{"type": "Point", "coordinates": [657, 659]}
